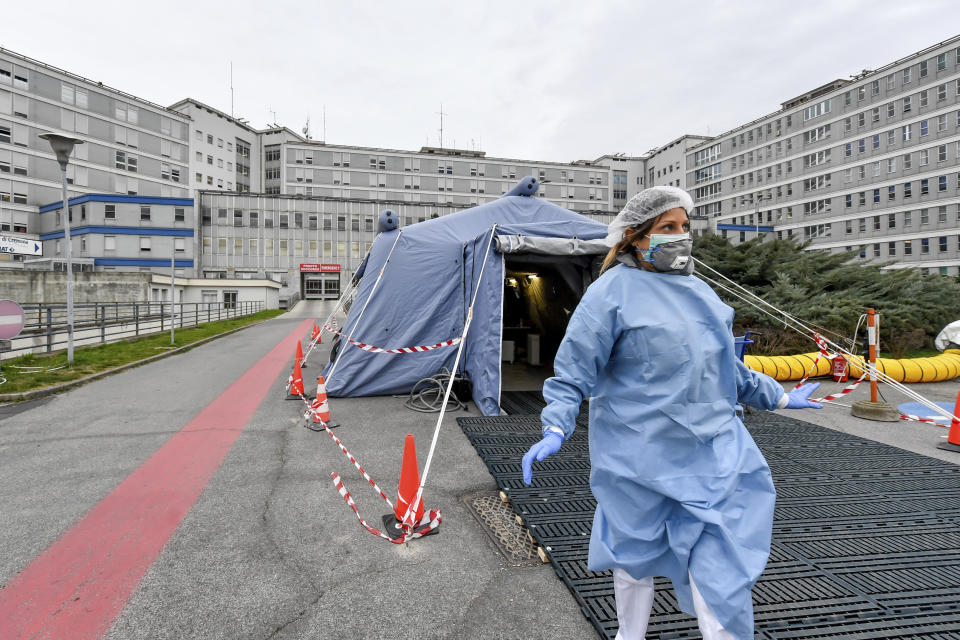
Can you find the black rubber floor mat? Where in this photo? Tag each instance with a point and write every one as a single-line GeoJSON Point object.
{"type": "Point", "coordinates": [866, 540]}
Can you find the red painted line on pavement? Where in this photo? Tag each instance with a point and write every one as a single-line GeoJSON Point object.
{"type": "Point", "coordinates": [78, 586]}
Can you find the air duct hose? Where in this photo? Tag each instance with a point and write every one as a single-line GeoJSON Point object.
{"type": "Point", "coordinates": [945, 366]}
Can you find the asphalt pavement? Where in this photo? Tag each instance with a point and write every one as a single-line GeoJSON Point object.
{"type": "Point", "coordinates": [270, 550]}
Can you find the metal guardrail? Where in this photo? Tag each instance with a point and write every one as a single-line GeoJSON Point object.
{"type": "Point", "coordinates": [45, 329]}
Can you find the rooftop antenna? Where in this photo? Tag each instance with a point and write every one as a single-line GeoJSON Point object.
{"type": "Point", "coordinates": [231, 88]}
{"type": "Point", "coordinates": [306, 129]}
{"type": "Point", "coordinates": [274, 114]}
{"type": "Point", "coordinates": [441, 114]}
{"type": "Point", "coordinates": [324, 123]}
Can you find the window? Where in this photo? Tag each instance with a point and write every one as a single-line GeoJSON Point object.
{"type": "Point", "coordinates": [891, 248]}
{"type": "Point", "coordinates": [891, 137]}
{"type": "Point", "coordinates": [925, 245]}
{"type": "Point", "coordinates": [144, 213]}
{"type": "Point", "coordinates": [942, 122]}
{"type": "Point", "coordinates": [942, 183]}
{"type": "Point", "coordinates": [942, 214]}
{"type": "Point", "coordinates": [178, 214]}
{"type": "Point", "coordinates": [907, 189]}
{"type": "Point", "coordinates": [924, 157]}
{"type": "Point", "coordinates": [254, 219]}
{"type": "Point", "coordinates": [876, 115]}
{"type": "Point", "coordinates": [848, 149]}
{"type": "Point", "coordinates": [862, 200]}
{"type": "Point", "coordinates": [876, 196]}
{"type": "Point", "coordinates": [942, 153]}
{"type": "Point", "coordinates": [923, 68]}
{"type": "Point", "coordinates": [943, 244]}
{"type": "Point", "coordinates": [144, 244]}
{"type": "Point", "coordinates": [179, 245]}
{"type": "Point", "coordinates": [907, 218]}
{"type": "Point", "coordinates": [924, 216]}
{"type": "Point", "coordinates": [907, 160]}
{"type": "Point", "coordinates": [876, 141]}
{"type": "Point", "coordinates": [924, 127]}
{"type": "Point", "coordinates": [817, 110]}
{"type": "Point", "coordinates": [238, 217]}
{"type": "Point", "coordinates": [876, 251]}
{"type": "Point", "coordinates": [941, 92]}
{"type": "Point", "coordinates": [862, 225]}
{"type": "Point", "coordinates": [891, 165]}
{"type": "Point", "coordinates": [906, 75]}
{"type": "Point", "coordinates": [907, 105]}
{"type": "Point", "coordinates": [861, 119]}
{"type": "Point", "coordinates": [110, 211]}
{"type": "Point", "coordinates": [907, 132]}
{"type": "Point", "coordinates": [941, 62]}
{"type": "Point", "coordinates": [892, 192]}
{"type": "Point", "coordinates": [924, 187]}
{"type": "Point", "coordinates": [891, 82]}
{"type": "Point", "coordinates": [109, 243]}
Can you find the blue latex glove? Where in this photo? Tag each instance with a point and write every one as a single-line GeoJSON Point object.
{"type": "Point", "coordinates": [546, 447]}
{"type": "Point", "coordinates": [797, 399]}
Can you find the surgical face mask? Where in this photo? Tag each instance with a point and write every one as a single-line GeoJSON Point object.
{"type": "Point", "coordinates": [669, 253]}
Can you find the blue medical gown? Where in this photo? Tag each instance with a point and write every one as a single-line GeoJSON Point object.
{"type": "Point", "coordinates": [680, 485]}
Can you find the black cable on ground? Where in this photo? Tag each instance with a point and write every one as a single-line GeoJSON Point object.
{"type": "Point", "coordinates": [427, 395]}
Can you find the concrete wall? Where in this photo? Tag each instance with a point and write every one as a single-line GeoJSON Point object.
{"type": "Point", "coordinates": [34, 287]}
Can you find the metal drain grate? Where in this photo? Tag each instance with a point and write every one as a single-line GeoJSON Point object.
{"type": "Point", "coordinates": [501, 525]}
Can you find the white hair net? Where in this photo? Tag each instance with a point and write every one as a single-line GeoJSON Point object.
{"type": "Point", "coordinates": [644, 206]}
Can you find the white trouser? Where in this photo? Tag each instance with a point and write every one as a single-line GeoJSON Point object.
{"type": "Point", "coordinates": [635, 600]}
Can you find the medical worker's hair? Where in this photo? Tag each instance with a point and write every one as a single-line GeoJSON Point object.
{"type": "Point", "coordinates": [630, 235]}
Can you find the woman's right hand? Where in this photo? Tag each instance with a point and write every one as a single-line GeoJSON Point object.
{"type": "Point", "coordinates": [547, 447]}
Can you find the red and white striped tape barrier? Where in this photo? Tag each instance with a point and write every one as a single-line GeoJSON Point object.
{"type": "Point", "coordinates": [913, 418]}
{"type": "Point", "coordinates": [428, 523]}
{"type": "Point", "coordinates": [373, 349]}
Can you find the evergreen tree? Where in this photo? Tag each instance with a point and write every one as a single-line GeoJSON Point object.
{"type": "Point", "coordinates": [830, 290]}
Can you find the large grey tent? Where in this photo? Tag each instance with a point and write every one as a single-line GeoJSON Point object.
{"type": "Point", "coordinates": [539, 260]}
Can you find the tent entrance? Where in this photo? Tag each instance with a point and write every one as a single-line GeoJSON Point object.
{"type": "Point", "coordinates": [539, 295]}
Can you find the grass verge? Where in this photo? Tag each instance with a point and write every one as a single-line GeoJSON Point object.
{"type": "Point", "coordinates": [33, 371]}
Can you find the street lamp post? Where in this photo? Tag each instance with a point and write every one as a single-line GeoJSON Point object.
{"type": "Point", "coordinates": [62, 146]}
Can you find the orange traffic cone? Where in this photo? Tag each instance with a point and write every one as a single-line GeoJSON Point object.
{"type": "Point", "coordinates": [295, 382]}
{"type": "Point", "coordinates": [406, 492]}
{"type": "Point", "coordinates": [953, 438]}
{"type": "Point", "coordinates": [315, 334]}
{"type": "Point", "coordinates": [320, 410]}
{"type": "Point", "coordinates": [299, 355]}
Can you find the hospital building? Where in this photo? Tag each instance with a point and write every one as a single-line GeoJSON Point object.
{"type": "Point", "coordinates": [868, 164]}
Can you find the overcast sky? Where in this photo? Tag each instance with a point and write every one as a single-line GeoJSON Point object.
{"type": "Point", "coordinates": [556, 80]}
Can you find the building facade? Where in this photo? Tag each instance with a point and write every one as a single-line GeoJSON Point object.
{"type": "Point", "coordinates": [870, 164]}
{"type": "Point", "coordinates": [311, 245]}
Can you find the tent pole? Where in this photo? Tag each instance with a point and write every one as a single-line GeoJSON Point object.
{"type": "Point", "coordinates": [446, 395]}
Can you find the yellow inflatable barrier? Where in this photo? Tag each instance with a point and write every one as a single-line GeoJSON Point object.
{"type": "Point", "coordinates": [945, 366]}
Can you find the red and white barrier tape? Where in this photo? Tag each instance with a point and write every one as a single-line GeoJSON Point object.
{"type": "Point", "coordinates": [822, 351]}
{"type": "Point", "coordinates": [410, 532]}
{"type": "Point", "coordinates": [911, 417]}
{"type": "Point", "coordinates": [311, 411]}
{"type": "Point", "coordinates": [372, 349]}
{"type": "Point", "coordinates": [847, 389]}
{"type": "Point", "coordinates": [432, 519]}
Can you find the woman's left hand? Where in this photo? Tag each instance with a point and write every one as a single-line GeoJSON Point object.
{"type": "Point", "coordinates": [797, 399]}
